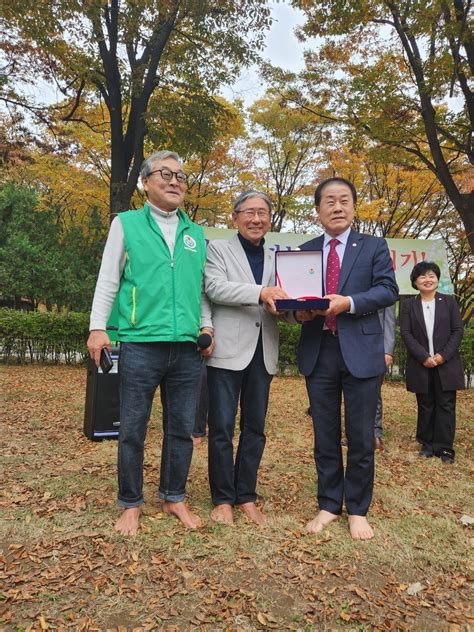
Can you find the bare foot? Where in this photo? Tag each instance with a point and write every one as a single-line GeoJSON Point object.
{"type": "Point", "coordinates": [197, 441]}
{"type": "Point", "coordinates": [360, 529]}
{"type": "Point", "coordinates": [222, 514]}
{"type": "Point", "coordinates": [128, 522]}
{"type": "Point", "coordinates": [321, 521]}
{"type": "Point", "coordinates": [253, 513]}
{"type": "Point", "coordinates": [181, 511]}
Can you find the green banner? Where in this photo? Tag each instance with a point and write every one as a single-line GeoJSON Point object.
{"type": "Point", "coordinates": [405, 254]}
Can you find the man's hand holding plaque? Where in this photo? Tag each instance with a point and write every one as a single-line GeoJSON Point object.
{"type": "Point", "coordinates": [269, 295]}
{"type": "Point", "coordinates": [337, 305]}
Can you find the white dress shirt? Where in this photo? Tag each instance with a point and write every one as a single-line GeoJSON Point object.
{"type": "Point", "coordinates": [340, 249]}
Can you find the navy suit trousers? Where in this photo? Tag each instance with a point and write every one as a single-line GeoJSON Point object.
{"type": "Point", "coordinates": [235, 483]}
{"type": "Point", "coordinates": [329, 381]}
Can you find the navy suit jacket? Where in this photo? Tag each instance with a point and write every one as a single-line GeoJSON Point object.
{"type": "Point", "coordinates": [367, 276]}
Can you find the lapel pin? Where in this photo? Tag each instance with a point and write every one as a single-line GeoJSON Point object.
{"type": "Point", "coordinates": [354, 245]}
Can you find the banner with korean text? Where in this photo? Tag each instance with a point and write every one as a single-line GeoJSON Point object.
{"type": "Point", "coordinates": [405, 254]}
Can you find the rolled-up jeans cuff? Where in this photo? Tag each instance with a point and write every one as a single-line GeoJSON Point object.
{"type": "Point", "coordinates": [129, 504]}
{"type": "Point", "coordinates": [171, 498]}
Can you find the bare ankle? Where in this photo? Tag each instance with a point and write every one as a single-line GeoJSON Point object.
{"type": "Point", "coordinates": [183, 513]}
{"type": "Point", "coordinates": [253, 513]}
{"type": "Point", "coordinates": [321, 521]}
{"type": "Point", "coordinates": [222, 514]}
{"type": "Point", "coordinates": [129, 521]}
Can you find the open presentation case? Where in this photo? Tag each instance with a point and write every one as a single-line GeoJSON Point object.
{"type": "Point", "coordinates": [300, 274]}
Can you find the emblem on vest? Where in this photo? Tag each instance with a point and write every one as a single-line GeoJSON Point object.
{"type": "Point", "coordinates": [189, 243]}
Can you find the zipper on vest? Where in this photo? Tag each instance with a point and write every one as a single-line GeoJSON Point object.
{"type": "Point", "coordinates": [174, 297]}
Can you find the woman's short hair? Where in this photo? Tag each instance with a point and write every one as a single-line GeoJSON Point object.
{"type": "Point", "coordinates": [147, 165]}
{"type": "Point", "coordinates": [319, 189]}
{"type": "Point", "coordinates": [250, 194]}
{"type": "Point", "coordinates": [422, 268]}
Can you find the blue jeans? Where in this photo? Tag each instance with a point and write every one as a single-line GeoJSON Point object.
{"type": "Point", "coordinates": [202, 405]}
{"type": "Point", "coordinates": [236, 484]}
{"type": "Point", "coordinates": [143, 366]}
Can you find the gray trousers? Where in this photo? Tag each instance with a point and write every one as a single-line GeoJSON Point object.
{"type": "Point", "coordinates": [378, 429]}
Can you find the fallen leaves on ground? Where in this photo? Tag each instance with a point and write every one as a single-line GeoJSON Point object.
{"type": "Point", "coordinates": [62, 566]}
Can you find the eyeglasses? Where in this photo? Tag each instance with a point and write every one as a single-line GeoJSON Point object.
{"type": "Point", "coordinates": [248, 213]}
{"type": "Point", "coordinates": [167, 175]}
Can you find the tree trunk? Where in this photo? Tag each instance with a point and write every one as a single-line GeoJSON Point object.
{"type": "Point", "coordinates": [119, 198]}
{"type": "Point", "coordinates": [465, 208]}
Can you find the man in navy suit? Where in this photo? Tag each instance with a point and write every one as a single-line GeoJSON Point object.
{"type": "Point", "coordinates": [341, 352]}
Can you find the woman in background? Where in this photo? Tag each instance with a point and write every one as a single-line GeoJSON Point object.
{"type": "Point", "coordinates": [432, 330]}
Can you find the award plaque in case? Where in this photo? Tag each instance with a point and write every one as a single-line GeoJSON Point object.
{"type": "Point", "coordinates": [300, 274]}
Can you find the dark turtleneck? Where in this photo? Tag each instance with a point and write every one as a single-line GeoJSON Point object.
{"type": "Point", "coordinates": [255, 255]}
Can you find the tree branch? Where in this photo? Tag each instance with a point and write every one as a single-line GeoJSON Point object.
{"type": "Point", "coordinates": [77, 101]}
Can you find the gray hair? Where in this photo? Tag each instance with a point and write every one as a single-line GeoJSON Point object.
{"type": "Point", "coordinates": [250, 194]}
{"type": "Point", "coordinates": [147, 165]}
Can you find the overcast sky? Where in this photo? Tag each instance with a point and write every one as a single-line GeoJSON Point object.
{"type": "Point", "coordinates": [282, 49]}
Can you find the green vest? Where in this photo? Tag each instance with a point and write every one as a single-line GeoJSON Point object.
{"type": "Point", "coordinates": [159, 299]}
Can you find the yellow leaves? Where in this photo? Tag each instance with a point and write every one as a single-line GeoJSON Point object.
{"type": "Point", "coordinates": [389, 194]}
{"type": "Point", "coordinates": [67, 185]}
{"type": "Point", "coordinates": [371, 210]}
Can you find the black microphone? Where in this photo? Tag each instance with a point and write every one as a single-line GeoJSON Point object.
{"type": "Point", "coordinates": [204, 341]}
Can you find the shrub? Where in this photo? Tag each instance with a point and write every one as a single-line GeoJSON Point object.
{"type": "Point", "coordinates": [61, 337]}
{"type": "Point", "coordinates": [43, 336]}
{"type": "Point", "coordinates": [467, 353]}
{"type": "Point", "coordinates": [289, 335]}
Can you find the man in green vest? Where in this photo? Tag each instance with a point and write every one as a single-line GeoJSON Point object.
{"type": "Point", "coordinates": [154, 261]}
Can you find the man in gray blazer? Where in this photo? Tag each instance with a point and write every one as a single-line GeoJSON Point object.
{"type": "Point", "coordinates": [240, 279]}
{"type": "Point", "coordinates": [387, 320]}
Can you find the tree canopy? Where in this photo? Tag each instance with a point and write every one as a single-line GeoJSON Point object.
{"type": "Point", "coordinates": [119, 53]}
{"type": "Point", "coordinates": [400, 74]}
{"type": "Point", "coordinates": [288, 141]}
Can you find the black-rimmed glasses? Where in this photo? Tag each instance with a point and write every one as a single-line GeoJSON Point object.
{"type": "Point", "coordinates": [167, 175]}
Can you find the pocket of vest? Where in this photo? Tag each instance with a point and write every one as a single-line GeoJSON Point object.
{"type": "Point", "coordinates": [133, 317]}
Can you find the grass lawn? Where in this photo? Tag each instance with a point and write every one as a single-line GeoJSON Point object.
{"type": "Point", "coordinates": [63, 567]}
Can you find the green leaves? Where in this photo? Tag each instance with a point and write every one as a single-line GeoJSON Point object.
{"type": "Point", "coordinates": [28, 336]}
{"type": "Point", "coordinates": [40, 263]}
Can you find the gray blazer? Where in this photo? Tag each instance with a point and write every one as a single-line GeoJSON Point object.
{"type": "Point", "coordinates": [387, 320]}
{"type": "Point", "coordinates": [237, 316]}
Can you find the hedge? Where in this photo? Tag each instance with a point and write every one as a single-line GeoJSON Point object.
{"type": "Point", "coordinates": [289, 335]}
{"type": "Point", "coordinates": [61, 337]}
{"type": "Point", "coordinates": [43, 336]}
